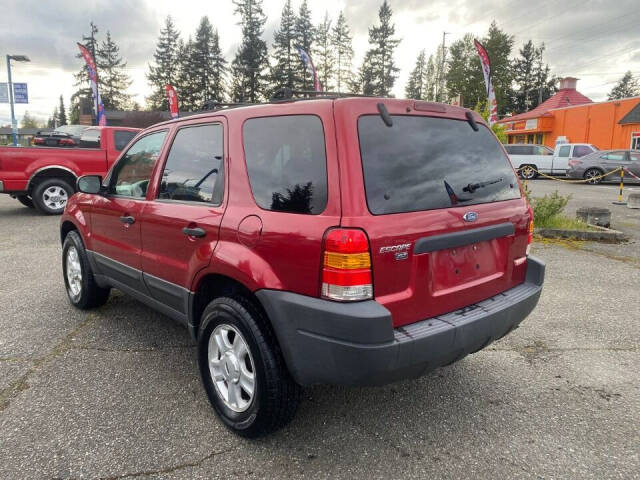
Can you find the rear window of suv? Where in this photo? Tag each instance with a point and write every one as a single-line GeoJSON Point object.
{"type": "Point", "coordinates": [287, 163]}
{"type": "Point", "coordinates": [425, 163]}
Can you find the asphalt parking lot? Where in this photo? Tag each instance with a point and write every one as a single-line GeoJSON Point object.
{"type": "Point", "coordinates": [115, 393]}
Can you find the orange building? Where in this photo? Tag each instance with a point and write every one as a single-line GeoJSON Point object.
{"type": "Point", "coordinates": [574, 118]}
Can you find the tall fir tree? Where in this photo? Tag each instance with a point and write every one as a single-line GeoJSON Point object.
{"type": "Point", "coordinates": [185, 83]}
{"type": "Point", "coordinates": [250, 63]}
{"type": "Point", "coordinates": [82, 85]}
{"type": "Point", "coordinates": [532, 78]}
{"type": "Point", "coordinates": [305, 33]}
{"type": "Point", "coordinates": [165, 68]}
{"type": "Point", "coordinates": [499, 45]}
{"type": "Point", "coordinates": [416, 84]}
{"type": "Point", "coordinates": [342, 46]}
{"type": "Point", "coordinates": [430, 80]}
{"type": "Point", "coordinates": [284, 71]}
{"type": "Point", "coordinates": [114, 79]}
{"type": "Point", "coordinates": [52, 122]}
{"type": "Point", "coordinates": [382, 43]}
{"type": "Point", "coordinates": [440, 75]}
{"type": "Point", "coordinates": [364, 82]}
{"type": "Point", "coordinates": [62, 114]}
{"type": "Point", "coordinates": [208, 66]}
{"type": "Point", "coordinates": [323, 54]}
{"type": "Point", "coordinates": [626, 87]}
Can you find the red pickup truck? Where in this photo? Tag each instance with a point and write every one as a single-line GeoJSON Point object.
{"type": "Point", "coordinates": [45, 177]}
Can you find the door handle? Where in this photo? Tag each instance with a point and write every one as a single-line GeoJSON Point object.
{"type": "Point", "coordinates": [128, 219]}
{"type": "Point", "coordinates": [194, 232]}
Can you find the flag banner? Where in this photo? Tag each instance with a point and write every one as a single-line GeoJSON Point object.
{"type": "Point", "coordinates": [173, 101]}
{"type": "Point", "coordinates": [93, 78]}
{"type": "Point", "coordinates": [306, 59]}
{"type": "Point", "coordinates": [486, 71]}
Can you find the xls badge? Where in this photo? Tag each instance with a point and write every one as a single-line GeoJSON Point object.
{"type": "Point", "coordinates": [470, 217]}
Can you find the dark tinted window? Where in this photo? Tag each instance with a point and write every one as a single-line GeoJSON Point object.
{"type": "Point", "coordinates": [131, 175]}
{"type": "Point", "coordinates": [90, 139]}
{"type": "Point", "coordinates": [121, 138]}
{"type": "Point", "coordinates": [194, 168]}
{"type": "Point", "coordinates": [581, 150]}
{"type": "Point", "coordinates": [287, 163]}
{"type": "Point", "coordinates": [519, 150]}
{"type": "Point", "coordinates": [423, 163]}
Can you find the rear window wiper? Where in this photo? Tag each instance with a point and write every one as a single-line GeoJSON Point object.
{"type": "Point", "coordinates": [455, 199]}
{"type": "Point", "coordinates": [472, 187]}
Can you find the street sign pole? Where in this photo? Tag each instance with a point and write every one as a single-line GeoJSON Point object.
{"type": "Point", "coordinates": [14, 124]}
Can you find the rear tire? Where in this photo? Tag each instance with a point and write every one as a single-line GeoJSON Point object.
{"type": "Point", "coordinates": [82, 289]}
{"type": "Point", "coordinates": [528, 172]}
{"type": "Point", "coordinates": [50, 195]}
{"type": "Point", "coordinates": [234, 324]}
{"type": "Point", "coordinates": [25, 200]}
{"type": "Point", "coordinates": [592, 176]}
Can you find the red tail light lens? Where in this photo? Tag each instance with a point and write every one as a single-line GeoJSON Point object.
{"type": "Point", "coordinates": [66, 141]}
{"type": "Point", "coordinates": [38, 141]}
{"type": "Point", "coordinates": [530, 228]}
{"type": "Point", "coordinates": [574, 161]}
{"type": "Point", "coordinates": [346, 266]}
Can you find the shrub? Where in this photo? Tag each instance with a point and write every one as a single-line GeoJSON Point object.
{"type": "Point", "coordinates": [549, 206]}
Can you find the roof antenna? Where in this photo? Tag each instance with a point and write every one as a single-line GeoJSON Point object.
{"type": "Point", "coordinates": [384, 113]}
{"type": "Point", "coordinates": [471, 120]}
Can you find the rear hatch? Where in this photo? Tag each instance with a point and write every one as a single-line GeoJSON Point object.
{"type": "Point", "coordinates": [440, 203]}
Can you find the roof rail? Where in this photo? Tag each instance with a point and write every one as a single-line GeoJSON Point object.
{"type": "Point", "coordinates": [287, 94]}
{"type": "Point", "coordinates": [209, 105]}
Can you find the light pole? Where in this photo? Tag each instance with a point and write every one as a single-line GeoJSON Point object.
{"type": "Point", "coordinates": [14, 123]}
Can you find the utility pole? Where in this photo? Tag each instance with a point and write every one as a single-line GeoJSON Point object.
{"type": "Point", "coordinates": [440, 76]}
{"type": "Point", "coordinates": [14, 123]}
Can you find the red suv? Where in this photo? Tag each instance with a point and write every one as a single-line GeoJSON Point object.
{"type": "Point", "coordinates": [352, 241]}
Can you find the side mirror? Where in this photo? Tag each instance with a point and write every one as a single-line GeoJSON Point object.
{"type": "Point", "coordinates": [89, 184]}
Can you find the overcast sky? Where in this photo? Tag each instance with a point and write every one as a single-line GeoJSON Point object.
{"type": "Point", "coordinates": [594, 40]}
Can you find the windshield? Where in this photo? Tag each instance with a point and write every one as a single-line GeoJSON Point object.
{"type": "Point", "coordinates": [74, 130]}
{"type": "Point", "coordinates": [425, 163]}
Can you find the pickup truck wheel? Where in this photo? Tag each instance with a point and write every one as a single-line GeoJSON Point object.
{"type": "Point", "coordinates": [592, 176]}
{"type": "Point", "coordinates": [51, 195]}
{"type": "Point", "coordinates": [528, 172]}
{"type": "Point", "coordinates": [82, 290]}
{"type": "Point", "coordinates": [242, 368]}
{"type": "Point", "coordinates": [25, 200]}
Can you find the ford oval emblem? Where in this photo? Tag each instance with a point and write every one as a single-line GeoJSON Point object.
{"type": "Point", "coordinates": [470, 217]}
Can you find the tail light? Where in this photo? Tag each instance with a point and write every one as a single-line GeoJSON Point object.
{"type": "Point", "coordinates": [346, 266]}
{"type": "Point", "coordinates": [529, 228]}
{"type": "Point", "coordinates": [574, 161]}
{"type": "Point", "coordinates": [66, 141]}
{"type": "Point", "coordinates": [38, 141]}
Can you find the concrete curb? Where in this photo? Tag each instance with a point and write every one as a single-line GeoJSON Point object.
{"type": "Point", "coordinates": [601, 234]}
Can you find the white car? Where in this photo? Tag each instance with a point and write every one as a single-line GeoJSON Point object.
{"type": "Point", "coordinates": [530, 159]}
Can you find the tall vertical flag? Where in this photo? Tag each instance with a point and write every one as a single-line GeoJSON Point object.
{"type": "Point", "coordinates": [306, 59]}
{"type": "Point", "coordinates": [93, 78]}
{"type": "Point", "coordinates": [486, 70]}
{"type": "Point", "coordinates": [173, 101]}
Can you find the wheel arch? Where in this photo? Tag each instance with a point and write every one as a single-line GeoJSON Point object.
{"type": "Point", "coordinates": [53, 171]}
{"type": "Point", "coordinates": [66, 227]}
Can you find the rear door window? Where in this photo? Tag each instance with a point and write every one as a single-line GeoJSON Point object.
{"type": "Point", "coordinates": [424, 163]}
{"type": "Point", "coordinates": [564, 151]}
{"type": "Point", "coordinates": [194, 168]}
{"type": "Point", "coordinates": [90, 139]}
{"type": "Point", "coordinates": [581, 150]}
{"type": "Point", "coordinates": [121, 138]}
{"type": "Point", "coordinates": [287, 163]}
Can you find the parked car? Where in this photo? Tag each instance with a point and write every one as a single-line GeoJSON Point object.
{"type": "Point", "coordinates": [352, 241]}
{"type": "Point", "coordinates": [63, 136]}
{"type": "Point", "coordinates": [591, 167]}
{"type": "Point", "coordinates": [45, 177]}
{"type": "Point", "coordinates": [529, 159]}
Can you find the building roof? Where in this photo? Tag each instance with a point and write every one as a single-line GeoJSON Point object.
{"type": "Point", "coordinates": [21, 131]}
{"type": "Point", "coordinates": [632, 117]}
{"type": "Point", "coordinates": [567, 96]}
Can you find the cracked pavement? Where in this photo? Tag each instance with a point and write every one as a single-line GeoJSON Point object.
{"type": "Point", "coordinates": [115, 393]}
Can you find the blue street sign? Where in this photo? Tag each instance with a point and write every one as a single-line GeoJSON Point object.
{"type": "Point", "coordinates": [20, 94]}
{"type": "Point", "coordinates": [4, 93]}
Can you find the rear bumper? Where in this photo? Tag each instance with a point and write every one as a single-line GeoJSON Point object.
{"type": "Point", "coordinates": [355, 344]}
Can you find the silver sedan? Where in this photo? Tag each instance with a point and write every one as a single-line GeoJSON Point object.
{"type": "Point", "coordinates": [592, 167]}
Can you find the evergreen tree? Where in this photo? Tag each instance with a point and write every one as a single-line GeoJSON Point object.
{"type": "Point", "coordinates": [341, 42]}
{"type": "Point", "coordinates": [165, 68]}
{"type": "Point", "coordinates": [304, 33]}
{"type": "Point", "coordinates": [626, 87]}
{"type": "Point", "coordinates": [532, 78]}
{"type": "Point", "coordinates": [249, 65]}
{"type": "Point", "coordinates": [416, 84]}
{"type": "Point", "coordinates": [28, 121]}
{"type": "Point", "coordinates": [61, 113]}
{"type": "Point", "coordinates": [113, 77]}
{"type": "Point", "coordinates": [499, 46]}
{"type": "Point", "coordinates": [82, 85]}
{"type": "Point", "coordinates": [383, 71]}
{"type": "Point", "coordinates": [365, 82]}
{"type": "Point", "coordinates": [208, 66]}
{"type": "Point", "coordinates": [430, 80]}
{"type": "Point", "coordinates": [185, 82]}
{"type": "Point", "coordinates": [53, 119]}
{"type": "Point", "coordinates": [284, 72]}
{"type": "Point", "coordinates": [324, 54]}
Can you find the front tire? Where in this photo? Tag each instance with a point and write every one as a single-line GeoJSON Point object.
{"type": "Point", "coordinates": [593, 176]}
{"type": "Point", "coordinates": [82, 289]}
{"type": "Point", "coordinates": [51, 195]}
{"type": "Point", "coordinates": [242, 369]}
{"type": "Point", "coordinates": [25, 200]}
